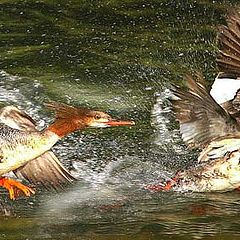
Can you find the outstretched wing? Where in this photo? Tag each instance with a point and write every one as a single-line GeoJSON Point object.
{"type": "Point", "coordinates": [15, 118]}
{"type": "Point", "coordinates": [201, 118]}
{"type": "Point", "coordinates": [228, 59]}
{"type": "Point", "coordinates": [46, 170]}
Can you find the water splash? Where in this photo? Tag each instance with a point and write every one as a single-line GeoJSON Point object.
{"type": "Point", "coordinates": [166, 134]}
{"type": "Point", "coordinates": [16, 91]}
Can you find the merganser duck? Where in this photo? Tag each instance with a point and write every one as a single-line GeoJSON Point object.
{"type": "Point", "coordinates": [25, 150]}
{"type": "Point", "coordinates": [212, 122]}
{"type": "Point", "coordinates": [45, 170]}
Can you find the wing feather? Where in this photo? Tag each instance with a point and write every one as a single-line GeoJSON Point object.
{"type": "Point", "coordinates": [228, 59]}
{"type": "Point", "coordinates": [201, 119]}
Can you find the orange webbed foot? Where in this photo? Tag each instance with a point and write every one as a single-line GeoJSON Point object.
{"type": "Point", "coordinates": [15, 188]}
{"type": "Point", "coordinates": [162, 187]}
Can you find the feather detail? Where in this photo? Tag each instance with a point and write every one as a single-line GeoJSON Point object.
{"type": "Point", "coordinates": [228, 59]}
{"type": "Point", "coordinates": [201, 118]}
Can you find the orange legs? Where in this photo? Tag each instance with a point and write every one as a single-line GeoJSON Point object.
{"type": "Point", "coordinates": [163, 187]}
{"type": "Point", "coordinates": [15, 188]}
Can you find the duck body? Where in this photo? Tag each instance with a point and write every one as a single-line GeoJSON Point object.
{"type": "Point", "coordinates": [219, 175]}
{"type": "Point", "coordinates": [217, 170]}
{"type": "Point", "coordinates": [210, 121]}
{"type": "Point", "coordinates": [206, 125]}
{"type": "Point", "coordinates": [18, 147]}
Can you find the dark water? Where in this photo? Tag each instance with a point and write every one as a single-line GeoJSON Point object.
{"type": "Point", "coordinates": [120, 57]}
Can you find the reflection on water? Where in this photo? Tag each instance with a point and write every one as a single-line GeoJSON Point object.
{"type": "Point", "coordinates": [104, 213]}
{"type": "Point", "coordinates": [118, 56]}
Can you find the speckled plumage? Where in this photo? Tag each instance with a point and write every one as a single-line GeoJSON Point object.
{"type": "Point", "coordinates": [220, 172]}
{"type": "Point", "coordinates": [18, 147]}
{"type": "Point", "coordinates": [10, 137]}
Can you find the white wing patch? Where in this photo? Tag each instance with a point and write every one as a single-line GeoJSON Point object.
{"type": "Point", "coordinates": [224, 89]}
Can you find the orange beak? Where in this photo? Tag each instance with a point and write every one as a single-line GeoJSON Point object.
{"type": "Point", "coordinates": [114, 123]}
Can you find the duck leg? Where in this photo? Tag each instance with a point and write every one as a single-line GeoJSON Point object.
{"type": "Point", "coordinates": [163, 186]}
{"type": "Point", "coordinates": [15, 188]}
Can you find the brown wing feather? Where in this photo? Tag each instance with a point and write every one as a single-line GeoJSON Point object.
{"type": "Point", "coordinates": [15, 118]}
{"type": "Point", "coordinates": [201, 118]}
{"type": "Point", "coordinates": [228, 59]}
{"type": "Point", "coordinates": [46, 170]}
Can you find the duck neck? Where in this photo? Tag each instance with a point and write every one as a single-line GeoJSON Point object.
{"type": "Point", "coordinates": [63, 127]}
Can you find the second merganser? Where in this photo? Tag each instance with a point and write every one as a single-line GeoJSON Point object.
{"type": "Point", "coordinates": [205, 125]}
{"type": "Point", "coordinates": [212, 122]}
{"type": "Point", "coordinates": [19, 147]}
{"type": "Point", "coordinates": [225, 89]}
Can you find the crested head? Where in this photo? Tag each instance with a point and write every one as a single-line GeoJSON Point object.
{"type": "Point", "coordinates": [70, 119]}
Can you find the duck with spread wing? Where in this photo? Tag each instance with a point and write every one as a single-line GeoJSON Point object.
{"type": "Point", "coordinates": [26, 151]}
{"type": "Point", "coordinates": [211, 121]}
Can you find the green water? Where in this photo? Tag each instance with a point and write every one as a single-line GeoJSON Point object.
{"type": "Point", "coordinates": [116, 56]}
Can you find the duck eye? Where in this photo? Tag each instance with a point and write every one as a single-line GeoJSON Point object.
{"type": "Point", "coordinates": [97, 117]}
